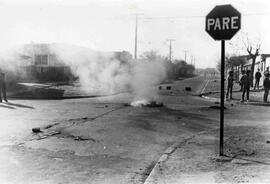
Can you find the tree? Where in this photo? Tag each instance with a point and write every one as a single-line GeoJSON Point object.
{"type": "Point", "coordinates": [253, 52]}
{"type": "Point", "coordinates": [232, 61]}
{"type": "Point", "coordinates": [151, 56]}
{"type": "Point", "coordinates": [174, 70]}
{"type": "Point", "coordinates": [182, 69]}
{"type": "Point", "coordinates": [235, 61]}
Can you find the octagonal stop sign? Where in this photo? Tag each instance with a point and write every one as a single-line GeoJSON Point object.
{"type": "Point", "coordinates": [223, 22]}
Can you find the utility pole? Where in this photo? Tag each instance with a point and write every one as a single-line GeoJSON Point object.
{"type": "Point", "coordinates": [136, 34]}
{"type": "Point", "coordinates": [170, 48]}
{"type": "Point", "coordinates": [185, 51]}
{"type": "Point", "coordinates": [192, 60]}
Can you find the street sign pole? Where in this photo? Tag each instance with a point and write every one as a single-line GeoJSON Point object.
{"type": "Point", "coordinates": [222, 98]}
{"type": "Point", "coordinates": [222, 23]}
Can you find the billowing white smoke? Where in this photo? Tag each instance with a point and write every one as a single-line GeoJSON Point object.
{"type": "Point", "coordinates": [102, 72]}
{"type": "Point", "coordinates": [147, 75]}
{"type": "Point", "coordinates": [99, 72]}
{"type": "Point", "coordinates": [10, 63]}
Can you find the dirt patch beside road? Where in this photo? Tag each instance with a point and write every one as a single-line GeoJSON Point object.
{"type": "Point", "coordinates": [197, 161]}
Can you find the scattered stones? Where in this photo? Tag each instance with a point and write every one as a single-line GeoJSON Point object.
{"type": "Point", "coordinates": [76, 137]}
{"type": "Point", "coordinates": [36, 130]}
{"type": "Point", "coordinates": [154, 104]}
{"type": "Point", "coordinates": [188, 88]}
{"type": "Point", "coordinates": [80, 138]}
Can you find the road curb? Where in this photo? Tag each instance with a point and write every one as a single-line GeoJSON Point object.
{"type": "Point", "coordinates": [150, 179]}
{"type": "Point", "coordinates": [164, 157]}
{"type": "Point", "coordinates": [254, 103]}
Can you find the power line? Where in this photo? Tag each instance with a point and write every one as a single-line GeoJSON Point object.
{"type": "Point", "coordinates": [182, 16]}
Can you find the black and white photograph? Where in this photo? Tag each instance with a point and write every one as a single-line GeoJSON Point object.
{"type": "Point", "coordinates": [134, 91]}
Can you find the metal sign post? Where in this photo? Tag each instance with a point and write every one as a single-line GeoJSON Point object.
{"type": "Point", "coordinates": [222, 23]}
{"type": "Point", "coordinates": [222, 97]}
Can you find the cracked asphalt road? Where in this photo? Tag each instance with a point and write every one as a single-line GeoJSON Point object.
{"type": "Point", "coordinates": [96, 140]}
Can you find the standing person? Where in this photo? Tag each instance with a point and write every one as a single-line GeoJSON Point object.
{"type": "Point", "coordinates": [230, 85]}
{"type": "Point", "coordinates": [241, 75]}
{"type": "Point", "coordinates": [246, 80]}
{"type": "Point", "coordinates": [258, 76]}
{"type": "Point", "coordinates": [266, 86]}
{"type": "Point", "coordinates": [2, 86]}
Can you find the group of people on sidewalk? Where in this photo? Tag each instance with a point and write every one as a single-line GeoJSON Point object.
{"type": "Point", "coordinates": [246, 81]}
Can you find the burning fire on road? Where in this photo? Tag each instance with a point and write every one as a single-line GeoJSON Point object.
{"type": "Point", "coordinates": [145, 103]}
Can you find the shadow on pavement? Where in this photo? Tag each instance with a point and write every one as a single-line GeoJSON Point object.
{"type": "Point", "coordinates": [8, 107]}
{"type": "Point", "coordinates": [20, 105]}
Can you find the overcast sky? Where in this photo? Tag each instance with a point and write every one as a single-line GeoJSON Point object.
{"type": "Point", "coordinates": [109, 25]}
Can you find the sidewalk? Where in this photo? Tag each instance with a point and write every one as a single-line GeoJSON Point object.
{"type": "Point", "coordinates": [212, 91]}
{"type": "Point", "coordinates": [196, 160]}
{"type": "Point", "coordinates": [246, 148]}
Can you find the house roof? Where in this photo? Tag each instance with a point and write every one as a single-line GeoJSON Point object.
{"type": "Point", "coordinates": [265, 56]}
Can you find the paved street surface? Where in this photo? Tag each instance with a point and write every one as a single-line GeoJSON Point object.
{"type": "Point", "coordinates": [104, 140]}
